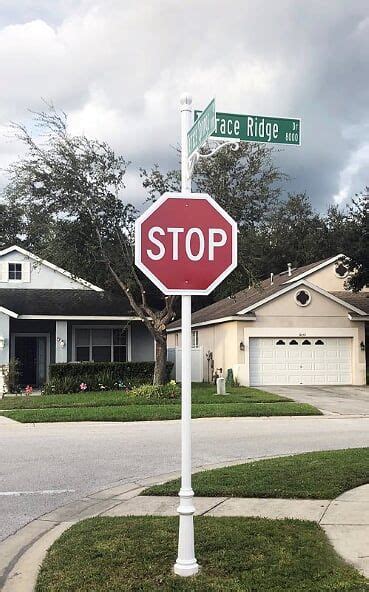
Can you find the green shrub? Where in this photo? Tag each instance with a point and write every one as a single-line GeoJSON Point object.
{"type": "Point", "coordinates": [93, 373]}
{"type": "Point", "coordinates": [148, 392]}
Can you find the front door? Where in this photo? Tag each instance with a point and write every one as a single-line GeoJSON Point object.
{"type": "Point", "coordinates": [30, 350]}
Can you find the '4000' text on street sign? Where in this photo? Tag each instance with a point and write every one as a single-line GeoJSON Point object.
{"type": "Point", "coordinates": [203, 127]}
{"type": "Point", "coordinates": [256, 128]}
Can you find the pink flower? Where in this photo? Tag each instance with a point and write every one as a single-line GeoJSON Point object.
{"type": "Point", "coordinates": [28, 390]}
{"type": "Point", "coordinates": [83, 386]}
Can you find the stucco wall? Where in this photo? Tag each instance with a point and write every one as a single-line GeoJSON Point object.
{"type": "Point", "coordinates": [42, 277]}
{"type": "Point", "coordinates": [327, 279]}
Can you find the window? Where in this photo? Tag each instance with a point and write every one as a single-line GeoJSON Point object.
{"type": "Point", "coordinates": [103, 344]}
{"type": "Point", "coordinates": [280, 342]}
{"type": "Point", "coordinates": [302, 297]}
{"type": "Point", "coordinates": [319, 342]}
{"type": "Point", "coordinates": [306, 342]}
{"type": "Point", "coordinates": [293, 342]}
{"type": "Point", "coordinates": [15, 271]}
{"type": "Point", "coordinates": [195, 339]}
{"type": "Point", "coordinates": [341, 270]}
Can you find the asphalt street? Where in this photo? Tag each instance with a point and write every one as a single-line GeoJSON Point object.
{"type": "Point", "coordinates": [44, 466]}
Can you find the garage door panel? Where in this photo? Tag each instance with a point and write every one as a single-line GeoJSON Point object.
{"type": "Point", "coordinates": [318, 360]}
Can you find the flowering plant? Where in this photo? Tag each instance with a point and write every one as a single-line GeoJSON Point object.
{"type": "Point", "coordinates": [83, 386]}
{"type": "Point", "coordinates": [28, 390]}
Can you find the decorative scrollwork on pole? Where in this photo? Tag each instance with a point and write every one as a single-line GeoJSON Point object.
{"type": "Point", "coordinates": [219, 144]}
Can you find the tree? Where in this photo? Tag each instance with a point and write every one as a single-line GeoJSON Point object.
{"type": "Point", "coordinates": [357, 239]}
{"type": "Point", "coordinates": [70, 188]}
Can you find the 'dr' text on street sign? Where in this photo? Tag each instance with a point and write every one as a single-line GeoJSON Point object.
{"type": "Point", "coordinates": [256, 128]}
{"type": "Point", "coordinates": [203, 127]}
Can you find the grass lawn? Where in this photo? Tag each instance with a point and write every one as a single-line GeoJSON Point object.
{"type": "Point", "coordinates": [119, 406]}
{"type": "Point", "coordinates": [136, 554]}
{"type": "Point", "coordinates": [314, 475]}
{"type": "Point", "coordinates": [201, 393]}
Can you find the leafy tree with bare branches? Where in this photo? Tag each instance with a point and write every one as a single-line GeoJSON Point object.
{"type": "Point", "coordinates": [70, 189]}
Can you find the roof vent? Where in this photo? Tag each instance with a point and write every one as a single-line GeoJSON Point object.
{"type": "Point", "coordinates": [289, 268]}
{"type": "Point", "coordinates": [271, 278]}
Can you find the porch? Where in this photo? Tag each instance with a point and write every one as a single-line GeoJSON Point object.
{"type": "Point", "coordinates": [37, 343]}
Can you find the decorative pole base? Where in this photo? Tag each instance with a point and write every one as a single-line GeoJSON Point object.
{"type": "Point", "coordinates": [186, 564]}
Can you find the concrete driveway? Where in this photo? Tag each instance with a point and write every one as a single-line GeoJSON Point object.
{"type": "Point", "coordinates": [343, 400]}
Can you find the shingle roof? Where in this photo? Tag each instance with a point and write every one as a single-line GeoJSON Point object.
{"type": "Point", "coordinates": [232, 305]}
{"type": "Point", "coordinates": [360, 299]}
{"type": "Point", "coordinates": [64, 302]}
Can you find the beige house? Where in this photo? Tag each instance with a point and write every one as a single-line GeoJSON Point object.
{"type": "Point", "coordinates": [298, 327]}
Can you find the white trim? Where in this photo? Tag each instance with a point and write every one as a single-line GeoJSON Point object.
{"type": "Point", "coordinates": [50, 265]}
{"type": "Point", "coordinates": [294, 286]}
{"type": "Point", "coordinates": [316, 268]}
{"type": "Point", "coordinates": [8, 312]}
{"type": "Point", "coordinates": [151, 210]}
{"type": "Point", "coordinates": [362, 318]}
{"type": "Point", "coordinates": [79, 318]}
{"type": "Point", "coordinates": [128, 344]}
{"type": "Point", "coordinates": [216, 321]}
{"type": "Point", "coordinates": [298, 301]}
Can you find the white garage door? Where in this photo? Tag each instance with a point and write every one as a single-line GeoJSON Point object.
{"type": "Point", "coordinates": [296, 360]}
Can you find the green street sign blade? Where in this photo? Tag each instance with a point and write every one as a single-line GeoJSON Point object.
{"type": "Point", "coordinates": [256, 128]}
{"type": "Point", "coordinates": [204, 126]}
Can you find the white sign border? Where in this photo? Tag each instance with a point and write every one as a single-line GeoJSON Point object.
{"type": "Point", "coordinates": [151, 276]}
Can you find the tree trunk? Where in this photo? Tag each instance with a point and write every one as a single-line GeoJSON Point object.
{"type": "Point", "coordinates": [160, 369]}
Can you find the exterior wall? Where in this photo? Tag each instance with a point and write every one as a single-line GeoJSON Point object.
{"type": "Point", "coordinates": [41, 276]}
{"type": "Point", "coordinates": [221, 339]}
{"type": "Point", "coordinates": [4, 353]}
{"type": "Point", "coordinates": [61, 342]}
{"type": "Point", "coordinates": [142, 348]}
{"type": "Point", "coordinates": [327, 279]}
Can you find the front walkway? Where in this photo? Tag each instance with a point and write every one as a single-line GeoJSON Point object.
{"type": "Point", "coordinates": [336, 400]}
{"type": "Point", "coordinates": [345, 520]}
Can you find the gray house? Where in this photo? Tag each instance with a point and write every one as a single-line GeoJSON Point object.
{"type": "Point", "coordinates": [48, 316]}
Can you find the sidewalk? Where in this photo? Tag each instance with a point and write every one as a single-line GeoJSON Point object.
{"type": "Point", "coordinates": [345, 520]}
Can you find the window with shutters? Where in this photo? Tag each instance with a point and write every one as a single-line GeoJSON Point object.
{"type": "Point", "coordinates": [15, 271]}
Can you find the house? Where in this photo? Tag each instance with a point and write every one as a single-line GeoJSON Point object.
{"type": "Point", "coordinates": [47, 316]}
{"type": "Point", "coordinates": [298, 327]}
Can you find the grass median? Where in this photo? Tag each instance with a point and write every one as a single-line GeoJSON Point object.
{"type": "Point", "coordinates": [158, 412]}
{"type": "Point", "coordinates": [236, 555]}
{"type": "Point", "coordinates": [314, 475]}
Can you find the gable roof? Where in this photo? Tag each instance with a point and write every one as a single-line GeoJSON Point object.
{"type": "Point", "coordinates": [50, 265]}
{"type": "Point", "coordinates": [243, 302]}
{"type": "Point", "coordinates": [63, 303]}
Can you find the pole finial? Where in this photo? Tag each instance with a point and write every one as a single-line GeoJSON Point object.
{"type": "Point", "coordinates": [185, 100]}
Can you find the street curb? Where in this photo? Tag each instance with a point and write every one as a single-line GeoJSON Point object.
{"type": "Point", "coordinates": [22, 553]}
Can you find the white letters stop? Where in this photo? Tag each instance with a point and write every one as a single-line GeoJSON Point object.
{"type": "Point", "coordinates": [206, 245]}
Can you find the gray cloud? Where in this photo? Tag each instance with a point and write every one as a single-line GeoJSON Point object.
{"type": "Point", "coordinates": [118, 69]}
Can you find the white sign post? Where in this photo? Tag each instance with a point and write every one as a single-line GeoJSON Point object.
{"type": "Point", "coordinates": [186, 564]}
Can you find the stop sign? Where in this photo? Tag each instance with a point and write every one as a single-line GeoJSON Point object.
{"type": "Point", "coordinates": [186, 244]}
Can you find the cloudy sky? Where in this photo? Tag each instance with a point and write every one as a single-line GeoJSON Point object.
{"type": "Point", "coordinates": [118, 68]}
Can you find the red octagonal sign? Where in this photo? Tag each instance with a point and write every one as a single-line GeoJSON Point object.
{"type": "Point", "coordinates": [186, 244]}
